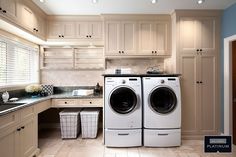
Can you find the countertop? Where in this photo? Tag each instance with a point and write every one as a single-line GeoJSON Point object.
{"type": "Point", "coordinates": [28, 101]}
{"type": "Point", "coordinates": [141, 75]}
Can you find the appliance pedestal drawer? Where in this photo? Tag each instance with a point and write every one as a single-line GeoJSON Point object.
{"type": "Point", "coordinates": [123, 138]}
{"type": "Point", "coordinates": [162, 138]}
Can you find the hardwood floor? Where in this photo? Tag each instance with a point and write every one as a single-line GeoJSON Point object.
{"type": "Point", "coordinates": [52, 145]}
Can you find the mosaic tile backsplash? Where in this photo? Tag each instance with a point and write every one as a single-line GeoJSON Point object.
{"type": "Point", "coordinates": [91, 77]}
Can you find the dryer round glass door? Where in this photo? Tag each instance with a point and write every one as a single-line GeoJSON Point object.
{"type": "Point", "coordinates": [163, 100]}
{"type": "Point", "coordinates": [123, 100]}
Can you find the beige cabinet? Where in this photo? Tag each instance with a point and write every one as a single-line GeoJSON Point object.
{"type": "Point", "coordinates": [64, 103]}
{"type": "Point", "coordinates": [18, 133]}
{"type": "Point", "coordinates": [121, 37]}
{"type": "Point", "coordinates": [198, 34]}
{"type": "Point", "coordinates": [8, 8]}
{"type": "Point", "coordinates": [154, 38]}
{"type": "Point", "coordinates": [197, 45]}
{"type": "Point", "coordinates": [89, 30]}
{"type": "Point", "coordinates": [61, 30]}
{"type": "Point", "coordinates": [31, 20]}
{"type": "Point", "coordinates": [28, 137]}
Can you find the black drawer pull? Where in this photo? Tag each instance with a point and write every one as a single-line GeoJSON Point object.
{"type": "Point", "coordinates": [22, 127]}
{"type": "Point", "coordinates": [163, 134]}
{"type": "Point", "coordinates": [124, 134]}
{"type": "Point", "coordinates": [18, 129]}
{"type": "Point", "coordinates": [65, 102]}
{"type": "Point", "coordinates": [90, 102]}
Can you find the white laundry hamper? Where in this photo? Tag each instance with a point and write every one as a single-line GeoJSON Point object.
{"type": "Point", "coordinates": [89, 122]}
{"type": "Point", "coordinates": [70, 123]}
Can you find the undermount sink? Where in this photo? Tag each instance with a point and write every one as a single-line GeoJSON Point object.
{"type": "Point", "coordinates": [6, 106]}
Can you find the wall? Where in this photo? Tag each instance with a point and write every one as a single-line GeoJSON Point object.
{"type": "Point", "coordinates": [228, 29]}
{"type": "Point", "coordinates": [90, 78]}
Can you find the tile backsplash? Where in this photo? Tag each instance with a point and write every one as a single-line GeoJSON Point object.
{"type": "Point", "coordinates": [91, 77]}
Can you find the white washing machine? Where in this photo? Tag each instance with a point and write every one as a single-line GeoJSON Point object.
{"type": "Point", "coordinates": [162, 111]}
{"type": "Point", "coordinates": [123, 112]}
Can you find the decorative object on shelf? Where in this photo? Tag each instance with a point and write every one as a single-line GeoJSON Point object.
{"type": "Point", "coordinates": [34, 90]}
{"type": "Point", "coordinates": [97, 89]}
{"type": "Point", "coordinates": [5, 97]}
{"type": "Point", "coordinates": [47, 89]}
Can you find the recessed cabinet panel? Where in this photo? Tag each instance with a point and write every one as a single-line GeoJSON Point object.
{"type": "Point", "coordinates": [82, 30]}
{"type": "Point", "coordinates": [54, 29]}
{"type": "Point", "coordinates": [188, 35]}
{"type": "Point", "coordinates": [128, 37]}
{"type": "Point", "coordinates": [112, 38]}
{"type": "Point", "coordinates": [208, 94]}
{"type": "Point", "coordinates": [8, 143]}
{"type": "Point", "coordinates": [68, 30]}
{"type": "Point", "coordinates": [96, 30]}
{"type": "Point", "coordinates": [208, 35]}
{"type": "Point", "coordinates": [188, 67]}
{"type": "Point", "coordinates": [145, 38]}
{"type": "Point", "coordinates": [161, 38]}
{"type": "Point", "coordinates": [9, 8]}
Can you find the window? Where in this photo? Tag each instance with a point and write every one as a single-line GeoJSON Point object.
{"type": "Point", "coordinates": [18, 63]}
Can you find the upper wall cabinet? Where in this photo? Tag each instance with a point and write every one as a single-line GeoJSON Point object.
{"type": "Point", "coordinates": [31, 19]}
{"type": "Point", "coordinates": [89, 30]}
{"type": "Point", "coordinates": [198, 34]}
{"type": "Point", "coordinates": [8, 9]}
{"type": "Point", "coordinates": [79, 28]}
{"type": "Point", "coordinates": [142, 36]}
{"type": "Point", "coordinates": [121, 38]}
{"type": "Point", "coordinates": [61, 30]}
{"type": "Point", "coordinates": [154, 38]}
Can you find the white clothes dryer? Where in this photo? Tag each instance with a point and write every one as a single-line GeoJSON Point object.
{"type": "Point", "coordinates": [123, 111]}
{"type": "Point", "coordinates": [162, 111]}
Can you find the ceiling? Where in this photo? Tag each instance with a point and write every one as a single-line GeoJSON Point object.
{"type": "Point", "coordinates": [86, 7]}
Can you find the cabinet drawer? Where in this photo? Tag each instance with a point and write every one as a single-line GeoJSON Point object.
{"type": "Point", "coordinates": [9, 120]}
{"type": "Point", "coordinates": [64, 102]}
{"type": "Point", "coordinates": [90, 102]}
{"type": "Point", "coordinates": [40, 107]}
{"type": "Point", "coordinates": [27, 113]}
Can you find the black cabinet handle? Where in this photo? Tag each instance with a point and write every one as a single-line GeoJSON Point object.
{"type": "Point", "coordinates": [155, 51]}
{"type": "Point", "coordinates": [87, 36]}
{"type": "Point", "coordinates": [90, 102]}
{"type": "Point", "coordinates": [37, 30]}
{"type": "Point", "coordinates": [65, 102]}
{"type": "Point", "coordinates": [200, 50]}
{"type": "Point", "coordinates": [152, 51]}
{"type": "Point", "coordinates": [197, 50]}
{"type": "Point", "coordinates": [59, 36]}
{"type": "Point", "coordinates": [119, 51]}
{"type": "Point", "coordinates": [200, 81]}
{"type": "Point", "coordinates": [62, 36]}
{"type": "Point", "coordinates": [123, 52]}
{"type": "Point", "coordinates": [197, 82]}
{"type": "Point", "coordinates": [18, 129]}
{"type": "Point", "coordinates": [34, 29]}
{"type": "Point", "coordinates": [4, 11]}
{"type": "Point", "coordinates": [0, 8]}
{"type": "Point", "coordinates": [22, 127]}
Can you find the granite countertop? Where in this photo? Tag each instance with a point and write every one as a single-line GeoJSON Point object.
{"type": "Point", "coordinates": [27, 101]}
{"type": "Point", "coordinates": [142, 75]}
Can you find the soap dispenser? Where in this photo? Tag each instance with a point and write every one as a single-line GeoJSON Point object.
{"type": "Point", "coordinates": [5, 97]}
{"type": "Point", "coordinates": [97, 89]}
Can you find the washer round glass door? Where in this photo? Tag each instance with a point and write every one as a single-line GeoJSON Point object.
{"type": "Point", "coordinates": [123, 100]}
{"type": "Point", "coordinates": [163, 100]}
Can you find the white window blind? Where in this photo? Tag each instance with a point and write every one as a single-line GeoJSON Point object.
{"type": "Point", "coordinates": [18, 63]}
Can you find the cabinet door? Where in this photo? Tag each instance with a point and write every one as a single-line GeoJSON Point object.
{"type": "Point", "coordinates": [27, 17]}
{"type": "Point", "coordinates": [209, 103]}
{"type": "Point", "coordinates": [161, 38]}
{"type": "Point", "coordinates": [208, 34]}
{"type": "Point", "coordinates": [8, 143]}
{"type": "Point", "coordinates": [95, 30]}
{"type": "Point", "coordinates": [82, 30]}
{"type": "Point", "coordinates": [128, 37]}
{"type": "Point", "coordinates": [41, 26]}
{"type": "Point", "coordinates": [68, 30]}
{"type": "Point", "coordinates": [189, 35]}
{"type": "Point", "coordinates": [28, 137]}
{"type": "Point", "coordinates": [189, 91]}
{"type": "Point", "coordinates": [112, 37]}
{"type": "Point", "coordinates": [54, 30]}
{"type": "Point", "coordinates": [10, 8]}
{"type": "Point", "coordinates": [146, 38]}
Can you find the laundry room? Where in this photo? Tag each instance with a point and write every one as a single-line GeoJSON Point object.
{"type": "Point", "coordinates": [108, 78]}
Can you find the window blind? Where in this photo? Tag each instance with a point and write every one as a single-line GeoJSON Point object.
{"type": "Point", "coordinates": [18, 63]}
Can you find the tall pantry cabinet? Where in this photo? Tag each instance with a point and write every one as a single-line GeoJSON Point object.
{"type": "Point", "coordinates": [197, 52]}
